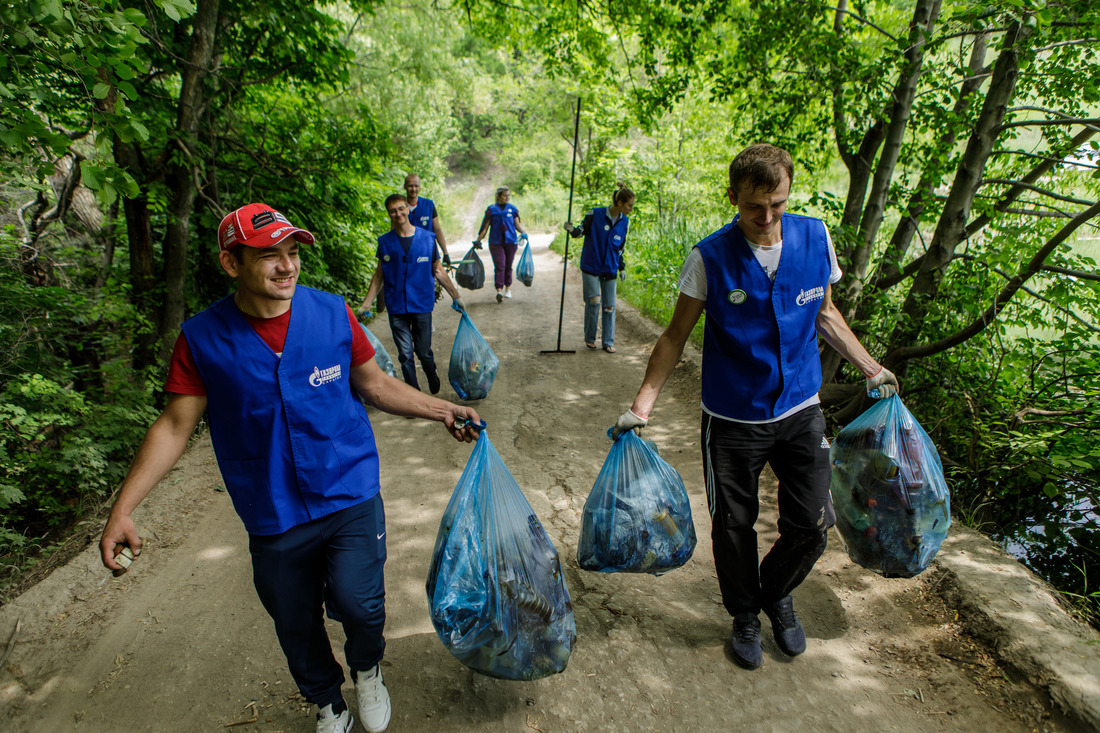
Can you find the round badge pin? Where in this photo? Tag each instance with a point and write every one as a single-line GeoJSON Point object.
{"type": "Point", "coordinates": [385, 258]}
{"type": "Point", "coordinates": [737, 297]}
{"type": "Point", "coordinates": [607, 227]}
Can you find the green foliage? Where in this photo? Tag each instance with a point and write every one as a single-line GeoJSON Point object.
{"type": "Point", "coordinates": [59, 452]}
{"type": "Point", "coordinates": [54, 73]}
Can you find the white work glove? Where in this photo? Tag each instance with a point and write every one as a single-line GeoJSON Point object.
{"type": "Point", "coordinates": [459, 303]}
{"type": "Point", "coordinates": [884, 382]}
{"type": "Point", "coordinates": [628, 421]}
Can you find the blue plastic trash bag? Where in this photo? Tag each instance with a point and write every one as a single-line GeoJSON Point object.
{"type": "Point", "coordinates": [496, 591]}
{"type": "Point", "coordinates": [470, 273]}
{"type": "Point", "coordinates": [891, 500]}
{"type": "Point", "coordinates": [525, 268]}
{"type": "Point", "coordinates": [637, 518]}
{"type": "Point", "coordinates": [473, 364]}
{"type": "Point", "coordinates": [385, 363]}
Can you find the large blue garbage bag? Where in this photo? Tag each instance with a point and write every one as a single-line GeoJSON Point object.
{"type": "Point", "coordinates": [473, 365]}
{"type": "Point", "coordinates": [497, 595]}
{"type": "Point", "coordinates": [637, 518]}
{"type": "Point", "coordinates": [525, 268]}
{"type": "Point", "coordinates": [892, 504]}
{"type": "Point", "coordinates": [385, 363]}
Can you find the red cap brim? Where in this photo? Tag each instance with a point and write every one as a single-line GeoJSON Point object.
{"type": "Point", "coordinates": [263, 240]}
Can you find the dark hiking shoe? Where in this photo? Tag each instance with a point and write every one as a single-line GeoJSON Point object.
{"type": "Point", "coordinates": [745, 642]}
{"type": "Point", "coordinates": [786, 627]}
{"type": "Point", "coordinates": [433, 382]}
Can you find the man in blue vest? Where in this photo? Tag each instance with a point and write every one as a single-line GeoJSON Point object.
{"type": "Point", "coordinates": [279, 369]}
{"type": "Point", "coordinates": [408, 266]}
{"type": "Point", "coordinates": [765, 282]}
{"type": "Point", "coordinates": [423, 214]}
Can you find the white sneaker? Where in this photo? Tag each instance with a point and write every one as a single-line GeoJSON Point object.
{"type": "Point", "coordinates": [507, 292]}
{"type": "Point", "coordinates": [374, 700]}
{"type": "Point", "coordinates": [327, 722]}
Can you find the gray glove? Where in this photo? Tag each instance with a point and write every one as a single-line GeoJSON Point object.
{"type": "Point", "coordinates": [882, 384]}
{"type": "Point", "coordinates": [628, 421]}
{"type": "Point", "coordinates": [460, 304]}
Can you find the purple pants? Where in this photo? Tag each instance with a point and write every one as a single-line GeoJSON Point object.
{"type": "Point", "coordinates": [503, 254]}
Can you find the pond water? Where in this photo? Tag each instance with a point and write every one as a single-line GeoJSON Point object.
{"type": "Point", "coordinates": [1057, 538]}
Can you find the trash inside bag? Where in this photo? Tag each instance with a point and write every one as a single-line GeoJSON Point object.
{"type": "Point", "coordinates": [385, 363]}
{"type": "Point", "coordinates": [497, 595]}
{"type": "Point", "coordinates": [470, 273]}
{"type": "Point", "coordinates": [525, 268]}
{"type": "Point", "coordinates": [892, 504]}
{"type": "Point", "coordinates": [637, 518]}
{"type": "Point", "coordinates": [473, 365]}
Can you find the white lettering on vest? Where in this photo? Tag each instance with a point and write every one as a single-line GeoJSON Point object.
{"type": "Point", "coordinates": [421, 259]}
{"type": "Point", "coordinates": [324, 376]}
{"type": "Point", "coordinates": [808, 296]}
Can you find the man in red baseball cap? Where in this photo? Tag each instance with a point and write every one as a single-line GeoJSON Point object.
{"type": "Point", "coordinates": [296, 451]}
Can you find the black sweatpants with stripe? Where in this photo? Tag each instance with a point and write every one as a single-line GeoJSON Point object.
{"type": "Point", "coordinates": [734, 454]}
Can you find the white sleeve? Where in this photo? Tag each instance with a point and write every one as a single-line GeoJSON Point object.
{"type": "Point", "coordinates": [693, 276]}
{"type": "Point", "coordinates": [835, 273]}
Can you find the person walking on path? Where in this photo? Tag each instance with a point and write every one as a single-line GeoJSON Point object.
{"type": "Point", "coordinates": [423, 214]}
{"type": "Point", "coordinates": [604, 230]}
{"type": "Point", "coordinates": [408, 266]}
{"type": "Point", "coordinates": [274, 366]}
{"type": "Point", "coordinates": [765, 283]}
{"type": "Point", "coordinates": [501, 221]}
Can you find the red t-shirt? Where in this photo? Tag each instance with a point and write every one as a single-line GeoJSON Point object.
{"type": "Point", "coordinates": [183, 374]}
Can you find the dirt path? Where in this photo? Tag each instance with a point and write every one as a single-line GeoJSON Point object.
{"type": "Point", "coordinates": [181, 643]}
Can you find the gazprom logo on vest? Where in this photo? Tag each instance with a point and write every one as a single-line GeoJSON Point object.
{"type": "Point", "coordinates": [809, 296]}
{"type": "Point", "coordinates": [324, 376]}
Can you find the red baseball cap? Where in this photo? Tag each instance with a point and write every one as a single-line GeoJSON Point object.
{"type": "Point", "coordinates": [258, 225]}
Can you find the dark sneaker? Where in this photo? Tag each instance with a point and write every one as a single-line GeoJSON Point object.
{"type": "Point", "coordinates": [745, 642]}
{"type": "Point", "coordinates": [433, 382]}
{"type": "Point", "coordinates": [786, 627]}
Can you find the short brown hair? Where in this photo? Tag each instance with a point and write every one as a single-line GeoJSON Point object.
{"type": "Point", "coordinates": [761, 166]}
{"type": "Point", "coordinates": [394, 198]}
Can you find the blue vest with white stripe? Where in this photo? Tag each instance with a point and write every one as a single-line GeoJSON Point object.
{"type": "Point", "coordinates": [407, 277]}
{"type": "Point", "coordinates": [760, 353]}
{"type": "Point", "coordinates": [293, 443]}
{"type": "Point", "coordinates": [603, 244]}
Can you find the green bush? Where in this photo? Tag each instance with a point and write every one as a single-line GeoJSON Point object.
{"type": "Point", "coordinates": [60, 454]}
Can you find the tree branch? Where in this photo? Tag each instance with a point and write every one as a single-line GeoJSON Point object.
{"type": "Point", "coordinates": [1033, 266]}
{"type": "Point", "coordinates": [1030, 187]}
{"type": "Point", "coordinates": [1087, 121]}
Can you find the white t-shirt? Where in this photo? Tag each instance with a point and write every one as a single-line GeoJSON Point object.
{"type": "Point", "coordinates": [693, 283]}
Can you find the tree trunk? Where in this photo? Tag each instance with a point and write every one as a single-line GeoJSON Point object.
{"type": "Point", "coordinates": [139, 237]}
{"type": "Point", "coordinates": [951, 228]}
{"type": "Point", "coordinates": [857, 250]}
{"type": "Point", "coordinates": [907, 228]}
{"type": "Point", "coordinates": [924, 18]}
{"type": "Point", "coordinates": [183, 171]}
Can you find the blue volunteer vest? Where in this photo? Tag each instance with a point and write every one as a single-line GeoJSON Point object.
{"type": "Point", "coordinates": [422, 215]}
{"type": "Point", "coordinates": [760, 354]}
{"type": "Point", "coordinates": [292, 442]}
{"type": "Point", "coordinates": [407, 278]}
{"type": "Point", "coordinates": [502, 223]}
{"type": "Point", "coordinates": [603, 244]}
